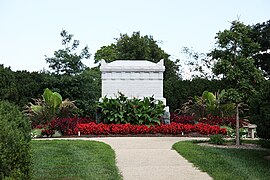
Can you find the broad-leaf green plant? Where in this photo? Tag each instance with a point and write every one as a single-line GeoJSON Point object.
{"type": "Point", "coordinates": [52, 99]}
{"type": "Point", "coordinates": [122, 110]}
{"type": "Point", "coordinates": [49, 107]}
{"type": "Point", "coordinates": [208, 103]}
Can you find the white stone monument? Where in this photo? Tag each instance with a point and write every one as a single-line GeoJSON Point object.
{"type": "Point", "coordinates": [133, 78]}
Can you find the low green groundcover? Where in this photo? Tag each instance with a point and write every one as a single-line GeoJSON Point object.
{"type": "Point", "coordinates": [73, 159]}
{"type": "Point", "coordinates": [225, 163]}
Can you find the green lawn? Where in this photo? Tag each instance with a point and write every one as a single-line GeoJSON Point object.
{"type": "Point", "coordinates": [228, 164]}
{"type": "Point", "coordinates": [70, 159]}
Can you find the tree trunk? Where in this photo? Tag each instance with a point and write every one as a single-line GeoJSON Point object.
{"type": "Point", "coordinates": [237, 137]}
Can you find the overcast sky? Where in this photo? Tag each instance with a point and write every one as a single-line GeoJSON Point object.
{"type": "Point", "coordinates": [30, 29]}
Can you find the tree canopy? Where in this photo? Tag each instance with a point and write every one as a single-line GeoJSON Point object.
{"type": "Point", "coordinates": [261, 34]}
{"type": "Point", "coordinates": [137, 47]}
{"type": "Point", "coordinates": [260, 110]}
{"type": "Point", "coordinates": [235, 63]}
{"type": "Point", "coordinates": [66, 60]}
{"type": "Point", "coordinates": [234, 56]}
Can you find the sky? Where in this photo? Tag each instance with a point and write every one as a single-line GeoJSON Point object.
{"type": "Point", "coordinates": [30, 29]}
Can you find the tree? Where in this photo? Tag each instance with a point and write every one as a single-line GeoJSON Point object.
{"type": "Point", "coordinates": [137, 47]}
{"type": "Point", "coordinates": [20, 87]}
{"type": "Point", "coordinates": [235, 63]}
{"type": "Point", "coordinates": [29, 85]}
{"type": "Point", "coordinates": [8, 88]}
{"type": "Point", "coordinates": [260, 111]}
{"type": "Point", "coordinates": [261, 34]}
{"type": "Point", "coordinates": [66, 60]}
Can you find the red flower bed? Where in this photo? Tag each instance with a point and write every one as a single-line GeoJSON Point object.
{"type": "Point", "coordinates": [180, 124]}
{"type": "Point", "coordinates": [227, 121]}
{"type": "Point", "coordinates": [123, 129]}
{"type": "Point", "coordinates": [210, 119]}
{"type": "Point", "coordinates": [183, 119]}
{"type": "Point", "coordinates": [67, 125]}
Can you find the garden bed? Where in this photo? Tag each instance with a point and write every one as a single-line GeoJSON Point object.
{"type": "Point", "coordinates": [181, 126]}
{"type": "Point", "coordinates": [173, 129]}
{"type": "Point", "coordinates": [232, 145]}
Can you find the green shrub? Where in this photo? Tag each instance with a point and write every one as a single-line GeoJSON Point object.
{"type": "Point", "coordinates": [260, 111]}
{"type": "Point", "coordinates": [122, 110]}
{"type": "Point", "coordinates": [230, 131]}
{"type": "Point", "coordinates": [15, 158]}
{"type": "Point", "coordinates": [217, 139]}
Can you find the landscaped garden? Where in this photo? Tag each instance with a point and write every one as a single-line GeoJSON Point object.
{"type": "Point", "coordinates": [65, 102]}
{"type": "Point", "coordinates": [119, 116]}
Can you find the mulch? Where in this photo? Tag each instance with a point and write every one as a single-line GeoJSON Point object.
{"type": "Point", "coordinates": [230, 145]}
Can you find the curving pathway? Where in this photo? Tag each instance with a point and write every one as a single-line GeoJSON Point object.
{"type": "Point", "coordinates": [151, 158]}
{"type": "Point", "coordinates": [147, 158]}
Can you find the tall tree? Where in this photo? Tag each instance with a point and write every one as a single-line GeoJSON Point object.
{"type": "Point", "coordinates": [137, 47]}
{"type": "Point", "coordinates": [66, 60]}
{"type": "Point", "coordinates": [234, 55]}
{"type": "Point", "coordinates": [261, 34]}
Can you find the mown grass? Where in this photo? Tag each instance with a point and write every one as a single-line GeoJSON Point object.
{"type": "Point", "coordinates": [73, 160]}
{"type": "Point", "coordinates": [221, 163]}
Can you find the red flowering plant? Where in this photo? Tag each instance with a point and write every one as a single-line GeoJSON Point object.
{"type": "Point", "coordinates": [92, 128]}
{"type": "Point", "coordinates": [86, 126]}
{"type": "Point", "coordinates": [222, 121]}
{"type": "Point", "coordinates": [209, 119]}
{"type": "Point", "coordinates": [124, 129]}
{"type": "Point", "coordinates": [47, 132]}
{"type": "Point", "coordinates": [183, 119]}
{"type": "Point", "coordinates": [67, 125]}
